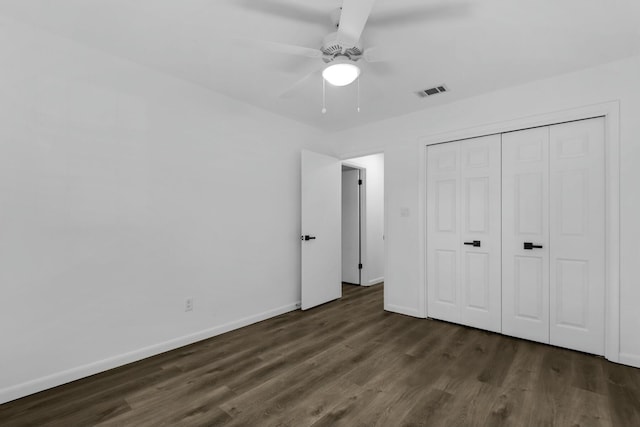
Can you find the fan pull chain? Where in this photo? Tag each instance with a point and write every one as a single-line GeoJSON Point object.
{"type": "Point", "coordinates": [324, 99]}
{"type": "Point", "coordinates": [358, 106]}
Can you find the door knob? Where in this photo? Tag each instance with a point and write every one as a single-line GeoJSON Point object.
{"type": "Point", "coordinates": [529, 246]}
{"type": "Point", "coordinates": [307, 237]}
{"type": "Point", "coordinates": [475, 243]}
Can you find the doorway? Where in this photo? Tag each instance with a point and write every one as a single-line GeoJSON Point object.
{"type": "Point", "coordinates": [352, 212]}
{"type": "Point", "coordinates": [363, 220]}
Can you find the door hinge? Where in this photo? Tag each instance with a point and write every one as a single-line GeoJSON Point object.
{"type": "Point", "coordinates": [359, 266]}
{"type": "Point", "coordinates": [359, 182]}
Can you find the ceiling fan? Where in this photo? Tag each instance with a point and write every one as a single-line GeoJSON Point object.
{"type": "Point", "coordinates": [342, 52]}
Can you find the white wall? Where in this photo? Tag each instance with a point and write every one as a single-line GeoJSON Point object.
{"type": "Point", "coordinates": [373, 264]}
{"type": "Point", "coordinates": [399, 139]}
{"type": "Point", "coordinates": [122, 192]}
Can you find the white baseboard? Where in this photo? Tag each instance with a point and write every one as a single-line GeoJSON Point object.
{"type": "Point", "coordinates": [630, 359]}
{"type": "Point", "coordinates": [59, 378]}
{"type": "Point", "coordinates": [375, 281]}
{"type": "Point", "coordinates": [407, 311]}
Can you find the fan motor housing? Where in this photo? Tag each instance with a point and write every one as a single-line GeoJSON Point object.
{"type": "Point", "coordinates": [332, 48]}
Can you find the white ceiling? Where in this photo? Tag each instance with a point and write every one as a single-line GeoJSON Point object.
{"type": "Point", "coordinates": [472, 46]}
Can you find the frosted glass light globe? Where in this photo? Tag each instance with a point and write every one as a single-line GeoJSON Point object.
{"type": "Point", "coordinates": [341, 74]}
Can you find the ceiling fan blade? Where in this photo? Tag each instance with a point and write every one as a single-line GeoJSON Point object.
{"type": "Point", "coordinates": [371, 86]}
{"type": "Point", "coordinates": [300, 83]}
{"type": "Point", "coordinates": [290, 10]}
{"type": "Point", "coordinates": [376, 54]}
{"type": "Point", "coordinates": [353, 18]}
{"type": "Point", "coordinates": [288, 49]}
{"type": "Point", "coordinates": [420, 14]}
{"type": "Point", "coordinates": [381, 68]}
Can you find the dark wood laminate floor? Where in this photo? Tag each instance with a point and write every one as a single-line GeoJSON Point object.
{"type": "Point", "coordinates": [347, 363]}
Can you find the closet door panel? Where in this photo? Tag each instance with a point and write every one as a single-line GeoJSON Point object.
{"type": "Point", "coordinates": [463, 206]}
{"type": "Point", "coordinates": [480, 217]}
{"type": "Point", "coordinates": [525, 234]}
{"type": "Point", "coordinates": [443, 231]}
{"type": "Point", "coordinates": [577, 235]}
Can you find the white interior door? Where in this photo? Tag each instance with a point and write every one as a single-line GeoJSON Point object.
{"type": "Point", "coordinates": [463, 232]}
{"type": "Point", "coordinates": [443, 231]}
{"type": "Point", "coordinates": [321, 229]}
{"type": "Point", "coordinates": [351, 226]}
{"type": "Point", "coordinates": [481, 290]}
{"type": "Point", "coordinates": [525, 222]}
{"type": "Point", "coordinates": [577, 235]}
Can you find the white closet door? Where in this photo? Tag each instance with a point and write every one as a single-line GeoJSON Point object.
{"type": "Point", "coordinates": [525, 221]}
{"type": "Point", "coordinates": [577, 228]}
{"type": "Point", "coordinates": [480, 293]}
{"type": "Point", "coordinates": [463, 240]}
{"type": "Point", "coordinates": [443, 231]}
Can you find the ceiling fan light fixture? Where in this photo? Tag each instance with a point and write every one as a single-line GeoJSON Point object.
{"type": "Point", "coordinates": [341, 74]}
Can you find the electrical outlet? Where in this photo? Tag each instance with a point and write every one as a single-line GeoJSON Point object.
{"type": "Point", "coordinates": [188, 304]}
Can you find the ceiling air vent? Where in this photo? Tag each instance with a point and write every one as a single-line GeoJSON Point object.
{"type": "Point", "coordinates": [432, 91]}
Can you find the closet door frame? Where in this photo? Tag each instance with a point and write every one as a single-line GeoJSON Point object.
{"type": "Point", "coordinates": [611, 113]}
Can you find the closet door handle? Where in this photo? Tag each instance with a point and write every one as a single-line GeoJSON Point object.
{"type": "Point", "coordinates": [529, 246]}
{"type": "Point", "coordinates": [307, 237]}
{"type": "Point", "coordinates": [475, 243]}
